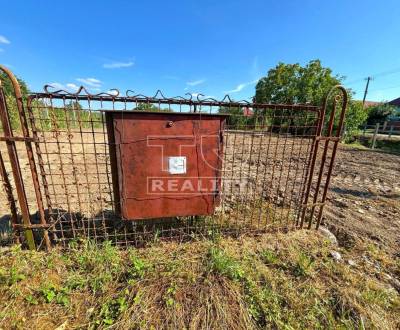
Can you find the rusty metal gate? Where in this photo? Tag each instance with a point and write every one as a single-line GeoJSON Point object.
{"type": "Point", "coordinates": [58, 165]}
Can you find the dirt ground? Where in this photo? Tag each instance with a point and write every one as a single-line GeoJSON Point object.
{"type": "Point", "coordinates": [363, 199]}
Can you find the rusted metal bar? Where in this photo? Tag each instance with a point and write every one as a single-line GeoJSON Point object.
{"type": "Point", "coordinates": [166, 100]}
{"type": "Point", "coordinates": [323, 160]}
{"type": "Point", "coordinates": [16, 169]}
{"type": "Point", "coordinates": [113, 163]}
{"type": "Point", "coordinates": [28, 145]}
{"type": "Point", "coordinates": [327, 139]}
{"type": "Point", "coordinates": [17, 138]}
{"type": "Point", "coordinates": [20, 226]}
{"type": "Point", "coordinates": [307, 166]}
{"type": "Point", "coordinates": [10, 197]}
{"type": "Point", "coordinates": [36, 140]}
{"type": "Point", "coordinates": [334, 151]}
{"type": "Point", "coordinates": [314, 153]}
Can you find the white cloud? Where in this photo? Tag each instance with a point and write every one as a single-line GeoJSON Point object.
{"type": "Point", "coordinates": [118, 65]}
{"type": "Point", "coordinates": [113, 92]}
{"type": "Point", "coordinates": [91, 82]}
{"type": "Point", "coordinates": [241, 86]}
{"type": "Point", "coordinates": [72, 87]}
{"type": "Point", "coordinates": [67, 87]}
{"type": "Point", "coordinates": [4, 40]}
{"type": "Point", "coordinates": [195, 82]}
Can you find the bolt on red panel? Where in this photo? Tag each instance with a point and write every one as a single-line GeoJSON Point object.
{"type": "Point", "coordinates": [167, 164]}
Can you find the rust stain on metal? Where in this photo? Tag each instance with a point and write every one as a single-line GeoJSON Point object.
{"type": "Point", "coordinates": [168, 164]}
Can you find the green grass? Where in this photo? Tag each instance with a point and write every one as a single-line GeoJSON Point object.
{"type": "Point", "coordinates": [281, 281]}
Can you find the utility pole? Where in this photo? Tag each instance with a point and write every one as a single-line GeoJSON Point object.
{"type": "Point", "coordinates": [366, 91]}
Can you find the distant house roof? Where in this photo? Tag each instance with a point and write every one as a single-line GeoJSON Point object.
{"type": "Point", "coordinates": [371, 103]}
{"type": "Point", "coordinates": [247, 111]}
{"type": "Point", "coordinates": [395, 102]}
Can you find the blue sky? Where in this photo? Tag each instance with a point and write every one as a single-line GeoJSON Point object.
{"type": "Point", "coordinates": [208, 47]}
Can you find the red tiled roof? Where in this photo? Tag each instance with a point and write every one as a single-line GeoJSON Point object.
{"type": "Point", "coordinates": [371, 103]}
{"type": "Point", "coordinates": [247, 112]}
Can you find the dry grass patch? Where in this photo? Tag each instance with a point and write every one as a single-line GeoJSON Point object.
{"type": "Point", "coordinates": [275, 281]}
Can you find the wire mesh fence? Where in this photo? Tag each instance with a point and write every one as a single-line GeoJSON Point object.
{"type": "Point", "coordinates": [276, 162]}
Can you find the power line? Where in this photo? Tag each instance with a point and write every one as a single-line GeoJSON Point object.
{"type": "Point", "coordinates": [375, 75]}
{"type": "Point", "coordinates": [351, 82]}
{"type": "Point", "coordinates": [382, 89]}
{"type": "Point", "coordinates": [386, 73]}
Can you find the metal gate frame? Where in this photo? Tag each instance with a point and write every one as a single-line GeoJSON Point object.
{"type": "Point", "coordinates": [312, 204]}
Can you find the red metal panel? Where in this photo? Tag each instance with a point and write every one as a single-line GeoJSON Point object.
{"type": "Point", "coordinates": [148, 184]}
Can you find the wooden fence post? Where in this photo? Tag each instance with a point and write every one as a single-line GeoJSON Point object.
{"type": "Point", "coordinates": [375, 136]}
{"type": "Point", "coordinates": [390, 131]}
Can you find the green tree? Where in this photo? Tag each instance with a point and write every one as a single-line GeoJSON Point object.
{"type": "Point", "coordinates": [150, 107]}
{"type": "Point", "coordinates": [8, 88]}
{"type": "Point", "coordinates": [293, 83]}
{"type": "Point", "coordinates": [236, 120]}
{"type": "Point", "coordinates": [379, 113]}
{"type": "Point", "coordinates": [10, 98]}
{"type": "Point", "coordinates": [355, 116]}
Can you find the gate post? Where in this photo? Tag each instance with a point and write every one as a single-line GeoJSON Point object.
{"type": "Point", "coordinates": [8, 191]}
{"type": "Point", "coordinates": [310, 170]}
{"type": "Point", "coordinates": [8, 132]}
{"type": "Point", "coordinates": [375, 136]}
{"type": "Point", "coordinates": [336, 140]}
{"type": "Point", "coordinates": [327, 138]}
{"type": "Point", "coordinates": [16, 169]}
